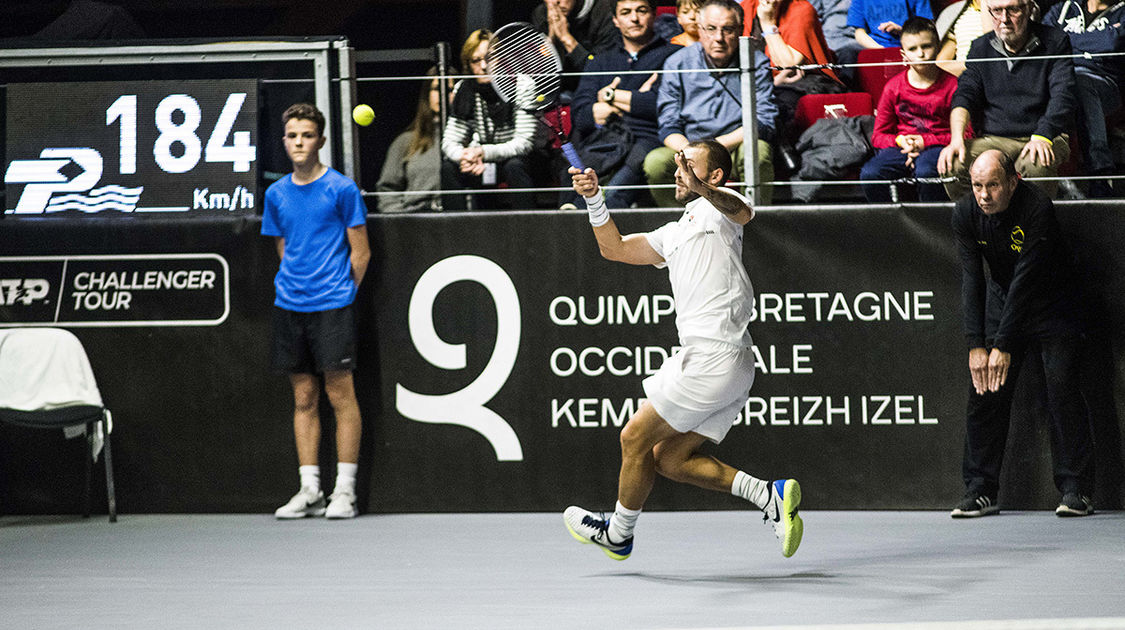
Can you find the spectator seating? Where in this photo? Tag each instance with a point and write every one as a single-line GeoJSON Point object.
{"type": "Point", "coordinates": [871, 79]}
{"type": "Point", "coordinates": [812, 107]}
{"type": "Point", "coordinates": [554, 116]}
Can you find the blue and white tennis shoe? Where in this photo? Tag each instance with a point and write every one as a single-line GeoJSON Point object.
{"type": "Point", "coordinates": [781, 511]}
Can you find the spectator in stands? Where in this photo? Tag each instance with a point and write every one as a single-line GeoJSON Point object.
{"type": "Point", "coordinates": [617, 110]}
{"type": "Point", "coordinates": [1094, 26]}
{"type": "Point", "coordinates": [833, 15]}
{"type": "Point", "coordinates": [958, 25]}
{"type": "Point", "coordinates": [792, 36]}
{"type": "Point", "coordinates": [579, 29]}
{"type": "Point", "coordinates": [686, 11]}
{"type": "Point", "coordinates": [486, 141]}
{"type": "Point", "coordinates": [912, 119]}
{"type": "Point", "coordinates": [1023, 109]}
{"type": "Point", "coordinates": [706, 104]}
{"type": "Point", "coordinates": [413, 162]}
{"type": "Point", "coordinates": [878, 23]}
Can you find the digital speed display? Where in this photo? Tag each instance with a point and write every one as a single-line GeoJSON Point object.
{"type": "Point", "coordinates": [125, 148]}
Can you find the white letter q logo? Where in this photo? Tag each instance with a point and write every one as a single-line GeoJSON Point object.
{"type": "Point", "coordinates": [465, 407]}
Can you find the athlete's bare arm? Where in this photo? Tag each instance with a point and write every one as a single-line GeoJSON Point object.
{"type": "Point", "coordinates": [724, 200]}
{"type": "Point", "coordinates": [633, 248]}
{"type": "Point", "coordinates": [361, 251]}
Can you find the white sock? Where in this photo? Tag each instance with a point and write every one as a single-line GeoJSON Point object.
{"type": "Point", "coordinates": [345, 477]}
{"type": "Point", "coordinates": [621, 523]}
{"type": "Point", "coordinates": [310, 477]}
{"type": "Point", "coordinates": [753, 490]}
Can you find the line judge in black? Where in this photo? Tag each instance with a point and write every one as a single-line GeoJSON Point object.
{"type": "Point", "coordinates": [1027, 303]}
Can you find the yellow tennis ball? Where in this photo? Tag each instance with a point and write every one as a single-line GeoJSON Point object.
{"type": "Point", "coordinates": [363, 115]}
{"type": "Point", "coordinates": [540, 98]}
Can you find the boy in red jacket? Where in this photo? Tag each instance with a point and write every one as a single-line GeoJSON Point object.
{"type": "Point", "coordinates": [912, 119]}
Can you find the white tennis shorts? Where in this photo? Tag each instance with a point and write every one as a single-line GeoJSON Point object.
{"type": "Point", "coordinates": [702, 387]}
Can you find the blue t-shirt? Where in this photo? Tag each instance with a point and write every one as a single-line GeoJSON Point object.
{"type": "Point", "coordinates": [316, 270]}
{"type": "Point", "coordinates": [869, 14]}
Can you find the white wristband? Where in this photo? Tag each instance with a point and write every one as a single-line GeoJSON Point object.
{"type": "Point", "coordinates": [599, 214]}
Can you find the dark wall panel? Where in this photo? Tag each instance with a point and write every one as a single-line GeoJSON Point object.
{"type": "Point", "coordinates": [499, 355]}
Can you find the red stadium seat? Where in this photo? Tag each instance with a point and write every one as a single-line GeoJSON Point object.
{"type": "Point", "coordinates": [812, 107]}
{"type": "Point", "coordinates": [872, 78]}
{"type": "Point", "coordinates": [662, 10]}
{"type": "Point", "coordinates": [554, 115]}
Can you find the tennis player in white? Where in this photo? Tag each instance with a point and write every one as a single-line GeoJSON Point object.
{"type": "Point", "coordinates": [698, 392]}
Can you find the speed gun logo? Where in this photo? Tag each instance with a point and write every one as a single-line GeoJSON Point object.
{"type": "Point", "coordinates": [67, 170]}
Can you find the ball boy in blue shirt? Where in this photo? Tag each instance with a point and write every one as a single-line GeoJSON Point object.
{"type": "Point", "coordinates": [319, 221]}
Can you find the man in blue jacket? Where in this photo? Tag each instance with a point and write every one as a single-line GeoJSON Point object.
{"type": "Point", "coordinates": [1094, 26]}
{"type": "Point", "coordinates": [1020, 102]}
{"type": "Point", "coordinates": [627, 100]}
{"type": "Point", "coordinates": [706, 104]}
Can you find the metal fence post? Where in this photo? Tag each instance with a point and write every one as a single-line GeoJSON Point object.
{"type": "Point", "coordinates": [749, 120]}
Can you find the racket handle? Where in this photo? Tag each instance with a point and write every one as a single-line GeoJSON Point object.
{"type": "Point", "coordinates": [572, 155]}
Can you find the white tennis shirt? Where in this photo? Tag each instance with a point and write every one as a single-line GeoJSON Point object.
{"type": "Point", "coordinates": [703, 254]}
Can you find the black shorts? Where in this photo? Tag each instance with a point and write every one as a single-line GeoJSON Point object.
{"type": "Point", "coordinates": [313, 343]}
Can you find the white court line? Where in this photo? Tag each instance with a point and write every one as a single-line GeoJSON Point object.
{"type": "Point", "coordinates": [1098, 623]}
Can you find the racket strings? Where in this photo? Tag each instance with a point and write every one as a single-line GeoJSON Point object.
{"type": "Point", "coordinates": [524, 68]}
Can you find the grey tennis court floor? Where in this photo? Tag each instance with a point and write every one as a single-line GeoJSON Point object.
{"type": "Point", "coordinates": [689, 570]}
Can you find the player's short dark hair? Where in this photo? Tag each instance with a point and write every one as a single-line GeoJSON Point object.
{"type": "Point", "coordinates": [729, 5]}
{"type": "Point", "coordinates": [651, 4]}
{"type": "Point", "coordinates": [305, 111]}
{"type": "Point", "coordinates": [717, 156]}
{"type": "Point", "coordinates": [918, 25]}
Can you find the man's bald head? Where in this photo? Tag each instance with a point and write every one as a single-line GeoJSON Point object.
{"type": "Point", "coordinates": [994, 159]}
{"type": "Point", "coordinates": [993, 175]}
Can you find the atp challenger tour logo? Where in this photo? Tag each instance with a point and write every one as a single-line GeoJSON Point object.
{"type": "Point", "coordinates": [114, 290]}
{"type": "Point", "coordinates": [23, 290]}
{"type": "Point", "coordinates": [465, 407]}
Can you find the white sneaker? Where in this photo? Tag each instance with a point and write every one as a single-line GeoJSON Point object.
{"type": "Point", "coordinates": [785, 499]}
{"type": "Point", "coordinates": [341, 505]}
{"type": "Point", "coordinates": [589, 527]}
{"type": "Point", "coordinates": [307, 502]}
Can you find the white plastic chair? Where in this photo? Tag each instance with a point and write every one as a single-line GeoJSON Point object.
{"type": "Point", "coordinates": [46, 382]}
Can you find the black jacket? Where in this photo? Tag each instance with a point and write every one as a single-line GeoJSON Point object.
{"type": "Point", "coordinates": [1030, 97]}
{"type": "Point", "coordinates": [594, 31]}
{"type": "Point", "coordinates": [1031, 288]}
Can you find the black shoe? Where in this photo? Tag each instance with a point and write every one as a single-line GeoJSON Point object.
{"type": "Point", "coordinates": [975, 504]}
{"type": "Point", "coordinates": [1074, 504]}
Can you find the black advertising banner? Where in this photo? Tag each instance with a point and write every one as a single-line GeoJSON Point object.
{"type": "Point", "coordinates": [154, 148]}
{"type": "Point", "coordinates": [499, 356]}
{"type": "Point", "coordinates": [524, 353]}
{"type": "Point", "coordinates": [136, 290]}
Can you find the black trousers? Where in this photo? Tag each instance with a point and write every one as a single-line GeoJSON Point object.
{"type": "Point", "coordinates": [986, 432]}
{"type": "Point", "coordinates": [517, 172]}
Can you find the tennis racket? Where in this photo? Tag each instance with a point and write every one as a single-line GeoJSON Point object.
{"type": "Point", "coordinates": [524, 68]}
